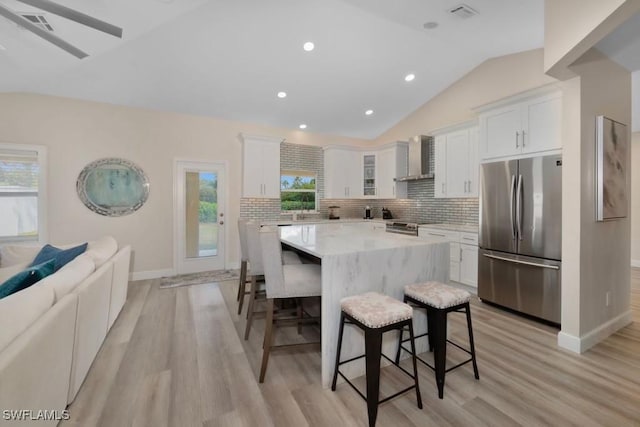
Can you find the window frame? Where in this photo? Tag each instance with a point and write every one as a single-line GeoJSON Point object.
{"type": "Point", "coordinates": [301, 173]}
{"type": "Point", "coordinates": [42, 155]}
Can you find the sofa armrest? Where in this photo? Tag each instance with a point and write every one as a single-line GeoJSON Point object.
{"type": "Point", "coordinates": [35, 367]}
{"type": "Point", "coordinates": [119, 283]}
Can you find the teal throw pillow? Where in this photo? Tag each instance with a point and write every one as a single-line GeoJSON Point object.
{"type": "Point", "coordinates": [26, 278]}
{"type": "Point", "coordinates": [61, 256]}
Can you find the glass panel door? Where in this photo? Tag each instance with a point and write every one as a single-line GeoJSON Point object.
{"type": "Point", "coordinates": [200, 216]}
{"type": "Point", "coordinates": [369, 166]}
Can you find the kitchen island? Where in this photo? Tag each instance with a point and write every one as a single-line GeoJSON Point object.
{"type": "Point", "coordinates": [357, 258]}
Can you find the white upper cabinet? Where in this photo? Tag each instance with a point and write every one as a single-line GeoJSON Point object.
{"type": "Point", "coordinates": [456, 162]}
{"type": "Point", "coordinates": [352, 173]}
{"type": "Point", "coordinates": [260, 166]}
{"type": "Point", "coordinates": [520, 126]}
{"type": "Point", "coordinates": [342, 173]}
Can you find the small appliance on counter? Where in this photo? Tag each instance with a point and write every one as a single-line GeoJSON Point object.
{"type": "Point", "coordinates": [386, 214]}
{"type": "Point", "coordinates": [367, 213]}
{"type": "Point", "coordinates": [334, 212]}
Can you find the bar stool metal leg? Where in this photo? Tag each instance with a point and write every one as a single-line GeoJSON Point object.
{"type": "Point", "coordinates": [439, 332]}
{"type": "Point", "coordinates": [373, 345]}
{"type": "Point", "coordinates": [339, 349]}
{"type": "Point", "coordinates": [472, 347]}
{"type": "Point", "coordinates": [413, 359]}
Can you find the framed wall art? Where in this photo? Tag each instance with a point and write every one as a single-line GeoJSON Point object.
{"type": "Point", "coordinates": [612, 152]}
{"type": "Point", "coordinates": [113, 187]}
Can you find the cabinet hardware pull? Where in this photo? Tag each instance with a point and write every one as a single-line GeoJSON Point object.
{"type": "Point", "coordinates": [460, 254]}
{"type": "Point", "coordinates": [436, 234]}
{"type": "Point", "coordinates": [523, 139]}
{"type": "Point", "coordinates": [443, 188]}
{"type": "Point", "coordinates": [516, 261]}
{"type": "Point", "coordinates": [517, 136]}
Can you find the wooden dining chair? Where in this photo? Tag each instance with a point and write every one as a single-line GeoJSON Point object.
{"type": "Point", "coordinates": [284, 281]}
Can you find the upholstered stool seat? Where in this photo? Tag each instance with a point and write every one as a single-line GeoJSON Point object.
{"type": "Point", "coordinates": [438, 300]}
{"type": "Point", "coordinates": [376, 310]}
{"type": "Point", "coordinates": [436, 294]}
{"type": "Point", "coordinates": [375, 314]}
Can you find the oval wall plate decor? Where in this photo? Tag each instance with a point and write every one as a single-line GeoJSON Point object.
{"type": "Point", "coordinates": [113, 187]}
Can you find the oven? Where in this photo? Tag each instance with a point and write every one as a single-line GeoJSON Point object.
{"type": "Point", "coordinates": [399, 227]}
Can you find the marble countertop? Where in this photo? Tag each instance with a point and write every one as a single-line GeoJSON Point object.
{"type": "Point", "coordinates": [346, 238]}
{"type": "Point", "coordinates": [322, 221]}
{"type": "Point", "coordinates": [465, 228]}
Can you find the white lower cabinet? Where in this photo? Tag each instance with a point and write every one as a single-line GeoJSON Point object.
{"type": "Point", "coordinates": [463, 254]}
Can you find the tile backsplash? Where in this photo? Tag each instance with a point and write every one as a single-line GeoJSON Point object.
{"type": "Point", "coordinates": [420, 207]}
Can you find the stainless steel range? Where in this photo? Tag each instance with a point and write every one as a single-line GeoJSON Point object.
{"type": "Point", "coordinates": [401, 227]}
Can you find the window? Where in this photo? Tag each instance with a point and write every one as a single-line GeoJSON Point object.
{"type": "Point", "coordinates": [22, 192]}
{"type": "Point", "coordinates": [297, 191]}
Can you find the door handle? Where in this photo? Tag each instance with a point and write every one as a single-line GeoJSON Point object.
{"type": "Point", "coordinates": [517, 261]}
{"type": "Point", "coordinates": [511, 211]}
{"type": "Point", "coordinates": [519, 207]}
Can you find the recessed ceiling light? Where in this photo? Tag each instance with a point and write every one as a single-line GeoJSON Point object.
{"type": "Point", "coordinates": [302, 126]}
{"type": "Point", "coordinates": [282, 94]}
{"type": "Point", "coordinates": [430, 25]}
{"type": "Point", "coordinates": [368, 112]}
{"type": "Point", "coordinates": [308, 46]}
{"type": "Point", "coordinates": [409, 77]}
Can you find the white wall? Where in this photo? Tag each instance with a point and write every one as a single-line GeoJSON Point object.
{"type": "Point", "coordinates": [79, 132]}
{"type": "Point", "coordinates": [635, 199]}
{"type": "Point", "coordinates": [600, 249]}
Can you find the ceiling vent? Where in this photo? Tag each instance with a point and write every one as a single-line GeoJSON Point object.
{"type": "Point", "coordinates": [38, 20]}
{"type": "Point", "coordinates": [463, 11]}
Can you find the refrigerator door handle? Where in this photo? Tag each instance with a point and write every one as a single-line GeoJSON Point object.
{"type": "Point", "coordinates": [519, 207]}
{"type": "Point", "coordinates": [515, 261]}
{"type": "Point", "coordinates": [511, 211]}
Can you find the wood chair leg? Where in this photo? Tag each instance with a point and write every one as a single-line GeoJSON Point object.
{"type": "Point", "coordinates": [250, 308]}
{"type": "Point", "coordinates": [242, 291]}
{"type": "Point", "coordinates": [373, 345]}
{"type": "Point", "coordinates": [299, 313]}
{"type": "Point", "coordinates": [268, 339]}
{"type": "Point", "coordinates": [472, 347]}
{"type": "Point", "coordinates": [243, 272]}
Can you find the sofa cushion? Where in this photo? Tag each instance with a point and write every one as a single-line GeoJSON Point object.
{"type": "Point", "coordinates": [61, 256]}
{"type": "Point", "coordinates": [102, 249]}
{"type": "Point", "coordinates": [26, 278]}
{"type": "Point", "coordinates": [8, 272]}
{"type": "Point", "coordinates": [20, 310]}
{"type": "Point", "coordinates": [70, 276]}
{"type": "Point", "coordinates": [17, 254]}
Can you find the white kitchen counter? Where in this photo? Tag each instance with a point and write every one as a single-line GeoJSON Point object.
{"type": "Point", "coordinates": [465, 228]}
{"type": "Point", "coordinates": [323, 221]}
{"type": "Point", "coordinates": [357, 258]}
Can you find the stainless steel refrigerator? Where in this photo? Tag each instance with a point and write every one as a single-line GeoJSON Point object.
{"type": "Point", "coordinates": [520, 235]}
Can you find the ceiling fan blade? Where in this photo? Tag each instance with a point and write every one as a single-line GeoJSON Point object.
{"type": "Point", "coordinates": [76, 16]}
{"type": "Point", "coordinates": [27, 25]}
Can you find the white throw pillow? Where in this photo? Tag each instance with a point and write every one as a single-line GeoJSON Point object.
{"type": "Point", "coordinates": [18, 254]}
{"type": "Point", "coordinates": [70, 276]}
{"type": "Point", "coordinates": [102, 250]}
{"type": "Point", "coordinates": [18, 311]}
{"type": "Point", "coordinates": [8, 272]}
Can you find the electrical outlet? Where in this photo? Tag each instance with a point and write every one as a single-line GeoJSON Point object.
{"type": "Point", "coordinates": [607, 298]}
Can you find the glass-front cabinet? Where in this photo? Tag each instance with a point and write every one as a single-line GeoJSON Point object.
{"type": "Point", "coordinates": [369, 175]}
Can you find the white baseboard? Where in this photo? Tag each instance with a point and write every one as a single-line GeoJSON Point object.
{"type": "Point", "coordinates": [635, 263]}
{"type": "Point", "coordinates": [151, 274]}
{"type": "Point", "coordinates": [593, 337]}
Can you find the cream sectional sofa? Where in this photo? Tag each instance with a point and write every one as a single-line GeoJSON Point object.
{"type": "Point", "coordinates": [51, 332]}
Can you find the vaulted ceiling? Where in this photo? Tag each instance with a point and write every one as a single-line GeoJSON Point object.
{"type": "Point", "coordinates": [229, 58]}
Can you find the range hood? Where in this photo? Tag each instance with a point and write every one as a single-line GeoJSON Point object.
{"type": "Point", "coordinates": [420, 149]}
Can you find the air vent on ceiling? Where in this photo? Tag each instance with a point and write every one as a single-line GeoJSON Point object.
{"type": "Point", "coordinates": [462, 11]}
{"type": "Point", "coordinates": [38, 20]}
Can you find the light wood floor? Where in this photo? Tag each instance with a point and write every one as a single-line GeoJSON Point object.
{"type": "Point", "coordinates": [175, 358]}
